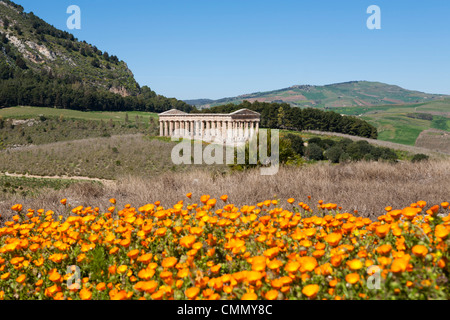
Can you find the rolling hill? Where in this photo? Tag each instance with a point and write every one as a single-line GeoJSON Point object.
{"type": "Point", "coordinates": [347, 94]}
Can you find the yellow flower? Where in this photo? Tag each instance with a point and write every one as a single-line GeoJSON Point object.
{"type": "Point", "coordinates": [354, 264]}
{"type": "Point", "coordinates": [311, 290]}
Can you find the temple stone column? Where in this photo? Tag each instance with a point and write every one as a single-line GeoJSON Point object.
{"type": "Point", "coordinates": [161, 129]}
{"type": "Point", "coordinates": [257, 127]}
{"type": "Point", "coordinates": [182, 128]}
{"type": "Point", "coordinates": [177, 128]}
{"type": "Point", "coordinates": [230, 131]}
{"type": "Point", "coordinates": [246, 132]}
{"type": "Point", "coordinates": [208, 130]}
{"type": "Point", "coordinates": [252, 129]}
{"type": "Point", "coordinates": [224, 130]}
{"type": "Point", "coordinates": [213, 129]}
{"type": "Point", "coordinates": [192, 127]}
{"type": "Point", "coordinates": [170, 128]}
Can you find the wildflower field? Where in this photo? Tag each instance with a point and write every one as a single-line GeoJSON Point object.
{"type": "Point", "coordinates": [215, 250]}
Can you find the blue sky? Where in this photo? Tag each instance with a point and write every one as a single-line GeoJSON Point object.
{"type": "Point", "coordinates": [215, 49]}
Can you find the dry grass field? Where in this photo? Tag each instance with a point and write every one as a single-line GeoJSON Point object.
{"type": "Point", "coordinates": [364, 186]}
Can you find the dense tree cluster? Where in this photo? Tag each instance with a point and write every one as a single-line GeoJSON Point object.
{"type": "Point", "coordinates": [346, 150]}
{"type": "Point", "coordinates": [283, 116]}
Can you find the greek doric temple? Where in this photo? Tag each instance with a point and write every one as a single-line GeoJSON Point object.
{"type": "Point", "coordinates": [238, 126]}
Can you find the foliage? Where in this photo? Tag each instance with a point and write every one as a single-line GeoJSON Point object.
{"type": "Point", "coordinates": [419, 157]}
{"type": "Point", "coordinates": [283, 116]}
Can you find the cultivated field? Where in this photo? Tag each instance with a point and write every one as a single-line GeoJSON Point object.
{"type": "Point", "coordinates": [404, 123]}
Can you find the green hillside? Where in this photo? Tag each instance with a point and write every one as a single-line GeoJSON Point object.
{"type": "Point", "coordinates": [404, 123]}
{"type": "Point", "coordinates": [347, 94]}
{"type": "Point", "coordinates": [43, 66]}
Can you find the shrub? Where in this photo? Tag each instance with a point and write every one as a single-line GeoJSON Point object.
{"type": "Point", "coordinates": [297, 144]}
{"type": "Point", "coordinates": [334, 153]}
{"type": "Point", "coordinates": [314, 152]}
{"type": "Point", "coordinates": [419, 157]}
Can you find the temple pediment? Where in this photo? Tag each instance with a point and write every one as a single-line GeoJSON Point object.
{"type": "Point", "coordinates": [245, 112]}
{"type": "Point", "coordinates": [172, 112]}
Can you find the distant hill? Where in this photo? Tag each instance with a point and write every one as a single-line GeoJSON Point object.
{"type": "Point", "coordinates": [353, 93]}
{"type": "Point", "coordinates": [41, 65]}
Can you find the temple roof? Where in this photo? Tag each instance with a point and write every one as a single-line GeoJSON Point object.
{"type": "Point", "coordinates": [244, 112]}
{"type": "Point", "coordinates": [172, 111]}
{"type": "Point", "coordinates": [240, 112]}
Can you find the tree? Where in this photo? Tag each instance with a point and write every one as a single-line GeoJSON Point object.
{"type": "Point", "coordinates": [334, 153]}
{"type": "Point", "coordinates": [297, 143]}
{"type": "Point", "coordinates": [95, 63]}
{"type": "Point", "coordinates": [314, 152]}
{"type": "Point", "coordinates": [21, 63]}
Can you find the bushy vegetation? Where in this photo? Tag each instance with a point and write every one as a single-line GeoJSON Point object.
{"type": "Point", "coordinates": [346, 150]}
{"type": "Point", "coordinates": [283, 116]}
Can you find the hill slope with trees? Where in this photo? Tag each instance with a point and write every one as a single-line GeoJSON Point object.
{"type": "Point", "coordinates": [43, 66]}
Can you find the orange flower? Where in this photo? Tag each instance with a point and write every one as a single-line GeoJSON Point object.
{"type": "Point", "coordinates": [410, 212]}
{"type": "Point", "coordinates": [21, 278]}
{"type": "Point", "coordinates": [292, 266]}
{"type": "Point", "coordinates": [204, 198]}
{"type": "Point", "coordinates": [272, 294]}
{"type": "Point", "coordinates": [441, 231]}
{"type": "Point", "coordinates": [146, 274]}
{"type": "Point", "coordinates": [352, 278]}
{"type": "Point", "coordinates": [85, 294]}
{"type": "Point", "coordinates": [224, 198]}
{"type": "Point", "coordinates": [187, 241]}
{"type": "Point", "coordinates": [354, 264]}
{"type": "Point", "coordinates": [419, 251]}
{"type": "Point", "coordinates": [382, 230]}
{"type": "Point", "coordinates": [146, 258]}
{"type": "Point", "coordinates": [399, 265]}
{"type": "Point", "coordinates": [384, 249]}
{"type": "Point", "coordinates": [193, 292]}
{"type": "Point", "coordinates": [189, 195]}
{"type": "Point", "coordinates": [308, 264]}
{"type": "Point", "coordinates": [290, 200]}
{"type": "Point", "coordinates": [311, 290]}
{"type": "Point", "coordinates": [160, 232]}
{"type": "Point", "coordinates": [63, 201]}
{"type": "Point", "coordinates": [211, 202]}
{"type": "Point", "coordinates": [133, 254]}
{"type": "Point", "coordinates": [253, 276]}
{"type": "Point", "coordinates": [122, 269]}
{"type": "Point", "coordinates": [169, 262]}
{"type": "Point", "coordinates": [333, 239]}
{"type": "Point", "coordinates": [112, 200]}
{"type": "Point", "coordinates": [249, 296]}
